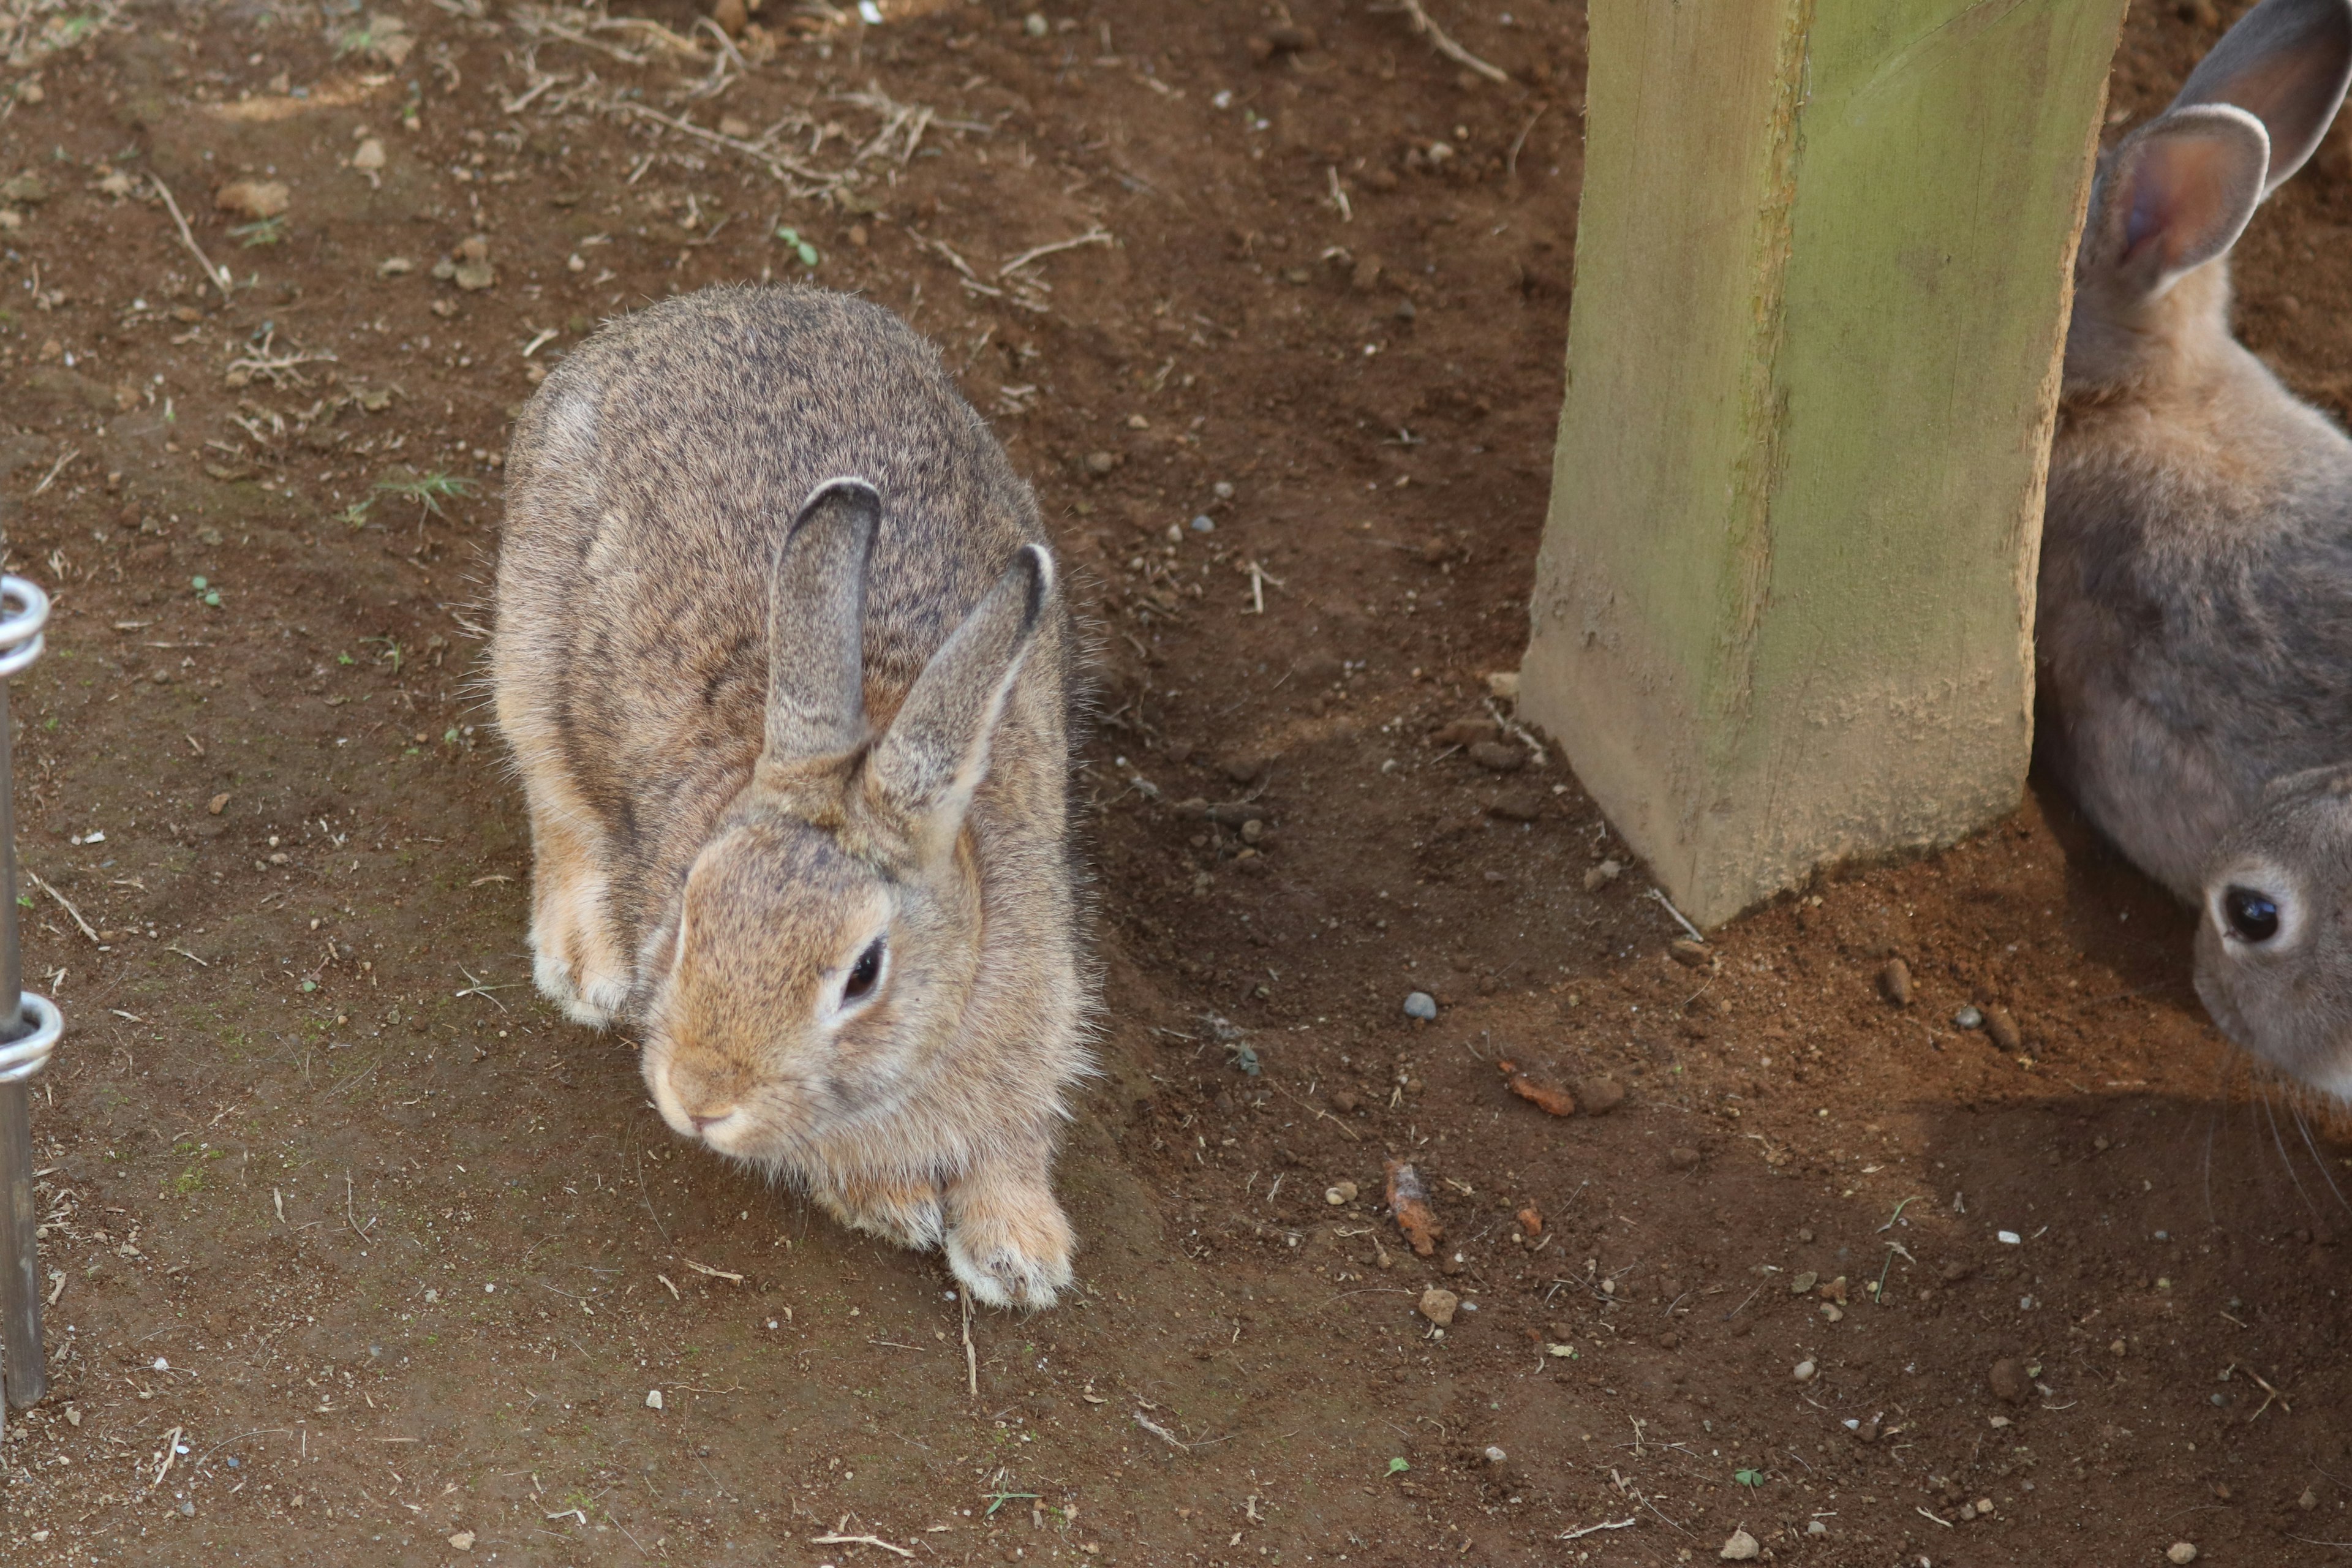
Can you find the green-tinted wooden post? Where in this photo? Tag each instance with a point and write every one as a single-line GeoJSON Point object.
{"type": "Point", "coordinates": [1784, 609]}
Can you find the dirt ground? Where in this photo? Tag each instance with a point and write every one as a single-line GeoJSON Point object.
{"type": "Point", "coordinates": [360, 1254]}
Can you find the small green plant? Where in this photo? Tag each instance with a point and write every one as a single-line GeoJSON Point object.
{"type": "Point", "coordinates": [1001, 1498]}
{"type": "Point", "coordinates": [205, 592]}
{"type": "Point", "coordinates": [393, 652]}
{"type": "Point", "coordinates": [1749, 1477]}
{"type": "Point", "coordinates": [354, 41]}
{"type": "Point", "coordinates": [268, 231]}
{"type": "Point", "coordinates": [345, 659]}
{"type": "Point", "coordinates": [428, 490]}
{"type": "Point", "coordinates": [187, 1182]}
{"type": "Point", "coordinates": [1399, 1466]}
{"type": "Point", "coordinates": [800, 247]}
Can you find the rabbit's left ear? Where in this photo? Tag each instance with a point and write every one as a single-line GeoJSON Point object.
{"type": "Point", "coordinates": [935, 753]}
{"type": "Point", "coordinates": [2286, 63]}
{"type": "Point", "coordinates": [2177, 194]}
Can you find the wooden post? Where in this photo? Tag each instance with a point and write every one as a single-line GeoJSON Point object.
{"type": "Point", "coordinates": [1783, 613]}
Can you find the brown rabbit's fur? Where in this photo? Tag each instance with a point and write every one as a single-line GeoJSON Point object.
{"type": "Point", "coordinates": [719, 835]}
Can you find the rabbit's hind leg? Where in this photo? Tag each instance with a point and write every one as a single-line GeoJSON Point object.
{"type": "Point", "coordinates": [906, 1214]}
{"type": "Point", "coordinates": [576, 960]}
{"type": "Point", "coordinates": [1008, 1241]}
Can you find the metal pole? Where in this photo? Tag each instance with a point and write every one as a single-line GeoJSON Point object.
{"type": "Point", "coordinates": [28, 1034]}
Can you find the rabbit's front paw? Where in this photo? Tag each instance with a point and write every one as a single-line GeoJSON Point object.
{"type": "Point", "coordinates": [1010, 1243]}
{"type": "Point", "coordinates": [911, 1216]}
{"type": "Point", "coordinates": [575, 959]}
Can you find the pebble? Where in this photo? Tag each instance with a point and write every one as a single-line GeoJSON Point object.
{"type": "Point", "coordinates": [2009, 1383]}
{"type": "Point", "coordinates": [1439, 1306]}
{"type": "Point", "coordinates": [1467, 732]}
{"type": "Point", "coordinates": [463, 1540]}
{"type": "Point", "coordinates": [1895, 982]}
{"type": "Point", "coordinates": [1204, 523]}
{"type": "Point", "coordinates": [2180, 1552]}
{"type": "Point", "coordinates": [1599, 1095]}
{"type": "Point", "coordinates": [652, 1399]}
{"type": "Point", "coordinates": [1100, 463]}
{"type": "Point", "coordinates": [1805, 1372]}
{"type": "Point", "coordinates": [1815, 1527]}
{"type": "Point", "coordinates": [1503, 684]}
{"type": "Point", "coordinates": [1683, 1158]}
{"type": "Point", "coordinates": [368, 155]}
{"type": "Point", "coordinates": [1496, 1456]}
{"type": "Point", "coordinates": [1970, 1018]}
{"type": "Point", "coordinates": [1421, 1004]}
{"type": "Point", "coordinates": [1338, 1195]}
{"type": "Point", "coordinates": [2002, 1028]}
{"type": "Point", "coordinates": [2307, 1501]}
{"type": "Point", "coordinates": [1601, 876]}
{"type": "Point", "coordinates": [1803, 1282]}
{"type": "Point", "coordinates": [255, 199]}
{"type": "Point", "coordinates": [1497, 757]}
{"type": "Point", "coordinates": [1740, 1548]}
{"type": "Point", "coordinates": [1517, 805]}
{"type": "Point", "coordinates": [1688, 954]}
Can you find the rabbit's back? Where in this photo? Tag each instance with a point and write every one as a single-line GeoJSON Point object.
{"type": "Point", "coordinates": [2195, 618]}
{"type": "Point", "coordinates": [651, 479]}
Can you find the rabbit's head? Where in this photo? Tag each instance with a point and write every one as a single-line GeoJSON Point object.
{"type": "Point", "coordinates": [2274, 934]}
{"type": "Point", "coordinates": [2151, 295]}
{"type": "Point", "coordinates": [829, 932]}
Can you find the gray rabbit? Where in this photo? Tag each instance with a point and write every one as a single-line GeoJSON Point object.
{"type": "Point", "coordinates": [2194, 628]}
{"type": "Point", "coordinates": [787, 672]}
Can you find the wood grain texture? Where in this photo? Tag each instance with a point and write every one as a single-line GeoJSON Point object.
{"type": "Point", "coordinates": [1783, 612]}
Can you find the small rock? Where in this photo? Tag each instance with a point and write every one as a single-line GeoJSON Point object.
{"type": "Point", "coordinates": [394, 267]}
{"type": "Point", "coordinates": [1245, 767]}
{"type": "Point", "coordinates": [1970, 1018]}
{"type": "Point", "coordinates": [1816, 1527]}
{"type": "Point", "coordinates": [1421, 1004]}
{"type": "Point", "coordinates": [1805, 1372]}
{"type": "Point", "coordinates": [1294, 38]}
{"type": "Point", "coordinates": [735, 125]}
{"type": "Point", "coordinates": [1503, 684]}
{"type": "Point", "coordinates": [1204, 523]}
{"type": "Point", "coordinates": [1439, 1305]}
{"type": "Point", "coordinates": [1035, 25]}
{"type": "Point", "coordinates": [1496, 1456]}
{"type": "Point", "coordinates": [2180, 1552]}
{"type": "Point", "coordinates": [2307, 1501]}
{"type": "Point", "coordinates": [463, 1540]}
{"type": "Point", "coordinates": [2002, 1029]}
{"type": "Point", "coordinates": [1346, 1100]}
{"type": "Point", "coordinates": [652, 1399]}
{"type": "Point", "coordinates": [31, 92]}
{"type": "Point", "coordinates": [1338, 1195]}
{"type": "Point", "coordinates": [29, 189]}
{"type": "Point", "coordinates": [1803, 1282]}
{"type": "Point", "coordinates": [215, 805]}
{"type": "Point", "coordinates": [1688, 954]}
{"type": "Point", "coordinates": [1365, 279]}
{"type": "Point", "coordinates": [1682, 1158]}
{"type": "Point", "coordinates": [368, 156]}
{"type": "Point", "coordinates": [1740, 1548]}
{"type": "Point", "coordinates": [1100, 463]}
{"type": "Point", "coordinates": [2010, 1384]}
{"type": "Point", "coordinates": [1599, 1095]}
{"type": "Point", "coordinates": [255, 199]}
{"type": "Point", "coordinates": [1517, 805]}
{"type": "Point", "coordinates": [1498, 757]}
{"type": "Point", "coordinates": [1601, 876]}
{"type": "Point", "coordinates": [1670, 1341]}
{"type": "Point", "coordinates": [1895, 982]}
{"type": "Point", "coordinates": [733, 16]}
{"type": "Point", "coordinates": [1865, 1432]}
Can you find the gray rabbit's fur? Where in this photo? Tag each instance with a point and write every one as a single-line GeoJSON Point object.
{"type": "Point", "coordinates": [787, 672]}
{"type": "Point", "coordinates": [2194, 627]}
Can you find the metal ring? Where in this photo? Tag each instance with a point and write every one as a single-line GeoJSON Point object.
{"type": "Point", "coordinates": [26, 611]}
{"type": "Point", "coordinates": [20, 1060]}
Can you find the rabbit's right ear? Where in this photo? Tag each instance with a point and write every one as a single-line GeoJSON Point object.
{"type": "Point", "coordinates": [2287, 63]}
{"type": "Point", "coordinates": [2177, 194]}
{"type": "Point", "coordinates": [816, 625]}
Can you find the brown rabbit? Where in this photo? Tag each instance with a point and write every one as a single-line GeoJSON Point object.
{"type": "Point", "coordinates": [787, 672]}
{"type": "Point", "coordinates": [2195, 622]}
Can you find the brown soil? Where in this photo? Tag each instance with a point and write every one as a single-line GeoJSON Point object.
{"type": "Point", "coordinates": [397, 1256]}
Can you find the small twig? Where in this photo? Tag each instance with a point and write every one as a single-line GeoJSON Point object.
{"type": "Point", "coordinates": [1679, 919]}
{"type": "Point", "coordinates": [835, 1538]}
{"type": "Point", "coordinates": [1606, 1525]}
{"type": "Point", "coordinates": [1445, 46]}
{"type": "Point", "coordinates": [1157, 1430]}
{"type": "Point", "coordinates": [1092, 236]}
{"type": "Point", "coordinates": [1511, 163]}
{"type": "Point", "coordinates": [1339, 195]}
{"type": "Point", "coordinates": [55, 470]}
{"type": "Point", "coordinates": [714, 1273]}
{"type": "Point", "coordinates": [218, 277]}
{"type": "Point", "coordinates": [171, 1452]}
{"type": "Point", "coordinates": [66, 904]}
{"type": "Point", "coordinates": [970, 1355]}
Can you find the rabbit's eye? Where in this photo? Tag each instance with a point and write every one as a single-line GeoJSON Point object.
{"type": "Point", "coordinates": [2253, 916]}
{"type": "Point", "coordinates": [864, 973]}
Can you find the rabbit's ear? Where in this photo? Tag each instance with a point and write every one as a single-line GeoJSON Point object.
{"type": "Point", "coordinates": [2286, 63]}
{"type": "Point", "coordinates": [817, 618]}
{"type": "Point", "coordinates": [935, 753]}
{"type": "Point", "coordinates": [2177, 194]}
